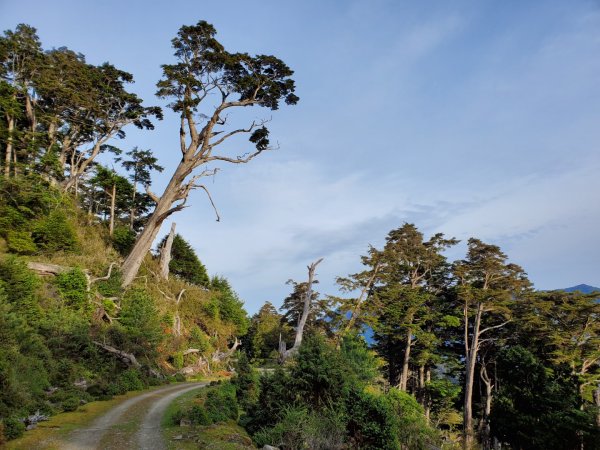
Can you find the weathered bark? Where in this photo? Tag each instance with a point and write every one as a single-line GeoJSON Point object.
{"type": "Point", "coordinates": [200, 366]}
{"type": "Point", "coordinates": [127, 358]}
{"type": "Point", "coordinates": [305, 311]}
{"type": "Point", "coordinates": [219, 356]}
{"type": "Point", "coordinates": [9, 145]}
{"type": "Point", "coordinates": [161, 212]}
{"type": "Point", "coordinates": [45, 269]}
{"type": "Point", "coordinates": [165, 253]}
{"type": "Point", "coordinates": [113, 199]}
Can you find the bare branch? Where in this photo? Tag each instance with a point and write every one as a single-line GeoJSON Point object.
{"type": "Point", "coordinates": [152, 195]}
{"type": "Point", "coordinates": [494, 327]}
{"type": "Point", "coordinates": [211, 201]}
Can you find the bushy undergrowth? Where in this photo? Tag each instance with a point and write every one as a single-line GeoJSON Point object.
{"type": "Point", "coordinates": [328, 399]}
{"type": "Point", "coordinates": [212, 405]}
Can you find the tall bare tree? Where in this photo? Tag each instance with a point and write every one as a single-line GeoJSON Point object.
{"type": "Point", "coordinates": [205, 74]}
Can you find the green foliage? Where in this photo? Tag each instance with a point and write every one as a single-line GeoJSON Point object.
{"type": "Point", "coordinates": [185, 263]}
{"type": "Point", "coordinates": [20, 242]}
{"type": "Point", "coordinates": [139, 317]}
{"type": "Point", "coordinates": [131, 380]}
{"type": "Point", "coordinates": [537, 407]}
{"type": "Point", "coordinates": [198, 415]}
{"type": "Point", "coordinates": [13, 428]}
{"type": "Point", "coordinates": [231, 308]}
{"type": "Point", "coordinates": [372, 424]}
{"type": "Point", "coordinates": [20, 287]}
{"type": "Point", "coordinates": [361, 361]}
{"type": "Point", "coordinates": [72, 286]}
{"type": "Point", "coordinates": [123, 239]}
{"type": "Point", "coordinates": [221, 403]}
{"type": "Point", "coordinates": [245, 382]}
{"type": "Point", "coordinates": [112, 286]}
{"type": "Point", "coordinates": [320, 374]}
{"type": "Point", "coordinates": [55, 233]}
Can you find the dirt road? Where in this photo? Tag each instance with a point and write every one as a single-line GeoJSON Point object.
{"type": "Point", "coordinates": [134, 424]}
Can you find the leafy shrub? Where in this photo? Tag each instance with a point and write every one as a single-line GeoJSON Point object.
{"type": "Point", "coordinates": [123, 239]}
{"type": "Point", "coordinates": [70, 403]}
{"type": "Point", "coordinates": [139, 317]}
{"type": "Point", "coordinates": [178, 360]}
{"type": "Point", "coordinates": [373, 422]}
{"type": "Point", "coordinates": [199, 416]}
{"type": "Point", "coordinates": [131, 380]}
{"type": "Point", "coordinates": [179, 377]}
{"type": "Point", "coordinates": [245, 382]}
{"type": "Point", "coordinates": [221, 403]}
{"type": "Point", "coordinates": [116, 388]}
{"type": "Point", "coordinates": [413, 430]}
{"type": "Point", "coordinates": [20, 242]}
{"type": "Point", "coordinates": [13, 428]}
{"type": "Point", "coordinates": [288, 433]}
{"type": "Point", "coordinates": [112, 286]}
{"type": "Point", "coordinates": [72, 286]}
{"type": "Point", "coordinates": [55, 233]}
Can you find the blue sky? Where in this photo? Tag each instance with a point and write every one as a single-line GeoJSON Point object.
{"type": "Point", "coordinates": [474, 118]}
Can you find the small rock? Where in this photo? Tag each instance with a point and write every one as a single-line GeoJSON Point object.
{"type": "Point", "coordinates": [185, 422]}
{"type": "Point", "coordinates": [179, 437]}
{"type": "Point", "coordinates": [270, 447]}
{"type": "Point", "coordinates": [31, 426]}
{"type": "Point", "coordinates": [81, 383]}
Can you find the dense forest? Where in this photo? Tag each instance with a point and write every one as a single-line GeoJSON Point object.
{"type": "Point", "coordinates": [416, 352]}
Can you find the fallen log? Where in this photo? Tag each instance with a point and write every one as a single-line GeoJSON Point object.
{"type": "Point", "coordinates": [127, 358]}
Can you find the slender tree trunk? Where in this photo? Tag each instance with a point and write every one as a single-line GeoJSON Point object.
{"type": "Point", "coordinates": [405, 362]}
{"type": "Point", "coordinates": [113, 198]}
{"type": "Point", "coordinates": [9, 145]}
{"type": "Point", "coordinates": [484, 427]}
{"type": "Point", "coordinates": [471, 358]}
{"type": "Point", "coordinates": [165, 253]}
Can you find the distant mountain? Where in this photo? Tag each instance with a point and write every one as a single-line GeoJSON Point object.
{"type": "Point", "coordinates": [583, 288]}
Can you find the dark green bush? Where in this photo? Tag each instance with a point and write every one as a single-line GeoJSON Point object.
{"type": "Point", "coordinates": [131, 380]}
{"type": "Point", "coordinates": [13, 428]}
{"type": "Point", "coordinates": [72, 286]}
{"type": "Point", "coordinates": [199, 416]}
{"type": "Point", "coordinates": [123, 239]}
{"type": "Point", "coordinates": [112, 286]}
{"type": "Point", "coordinates": [55, 233]}
{"type": "Point", "coordinates": [245, 382]}
{"type": "Point", "coordinates": [20, 242]}
{"type": "Point", "coordinates": [70, 403]}
{"type": "Point", "coordinates": [221, 403]}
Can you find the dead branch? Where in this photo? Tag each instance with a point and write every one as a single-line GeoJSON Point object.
{"type": "Point", "coordinates": [127, 358]}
